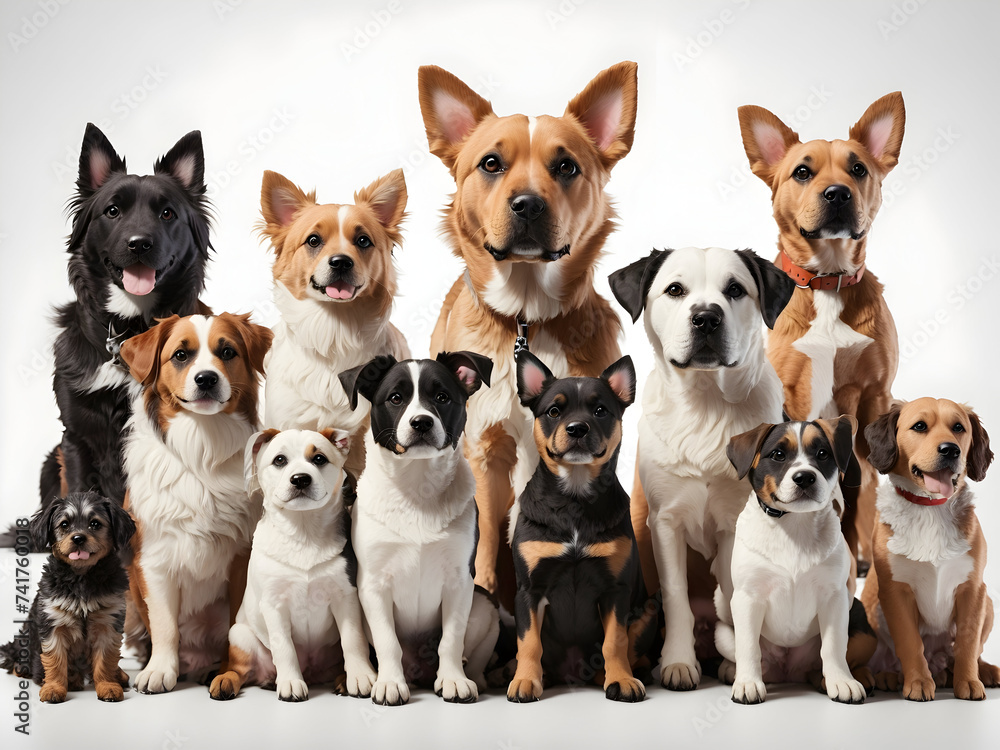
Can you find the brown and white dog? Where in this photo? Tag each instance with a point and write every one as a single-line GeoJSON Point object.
{"type": "Point", "coordinates": [927, 600]}
{"type": "Point", "coordinates": [834, 347]}
{"type": "Point", "coordinates": [529, 219]}
{"type": "Point", "coordinates": [334, 282]}
{"type": "Point", "coordinates": [184, 461]}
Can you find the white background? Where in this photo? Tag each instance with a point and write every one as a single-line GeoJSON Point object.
{"type": "Point", "coordinates": [325, 93]}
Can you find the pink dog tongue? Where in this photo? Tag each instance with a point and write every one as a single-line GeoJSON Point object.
{"type": "Point", "coordinates": [939, 482]}
{"type": "Point", "coordinates": [139, 279]}
{"type": "Point", "coordinates": [340, 290]}
{"type": "Point", "coordinates": [80, 554]}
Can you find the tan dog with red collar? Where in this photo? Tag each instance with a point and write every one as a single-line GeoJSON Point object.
{"type": "Point", "coordinates": [927, 599]}
{"type": "Point", "coordinates": [834, 346]}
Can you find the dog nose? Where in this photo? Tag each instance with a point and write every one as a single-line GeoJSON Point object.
{"type": "Point", "coordinates": [706, 320]}
{"type": "Point", "coordinates": [140, 245]}
{"type": "Point", "coordinates": [528, 207]}
{"type": "Point", "coordinates": [949, 451]}
{"type": "Point", "coordinates": [837, 194]}
{"type": "Point", "coordinates": [300, 481]}
{"type": "Point", "coordinates": [422, 423]}
{"type": "Point", "coordinates": [78, 539]}
{"type": "Point", "coordinates": [577, 429]}
{"type": "Point", "coordinates": [206, 379]}
{"type": "Point", "coordinates": [804, 478]}
{"type": "Point", "coordinates": [341, 263]}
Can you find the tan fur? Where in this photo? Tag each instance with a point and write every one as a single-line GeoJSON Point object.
{"type": "Point", "coordinates": [237, 667]}
{"type": "Point", "coordinates": [617, 553]}
{"type": "Point", "coordinates": [527, 682]}
{"type": "Point", "coordinates": [534, 552]}
{"type": "Point", "coordinates": [616, 665]}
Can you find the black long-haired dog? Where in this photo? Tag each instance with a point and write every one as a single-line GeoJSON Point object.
{"type": "Point", "coordinates": [138, 249]}
{"type": "Point", "coordinates": [74, 628]}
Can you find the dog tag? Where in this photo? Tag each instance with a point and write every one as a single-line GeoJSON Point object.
{"type": "Point", "coordinates": [521, 342]}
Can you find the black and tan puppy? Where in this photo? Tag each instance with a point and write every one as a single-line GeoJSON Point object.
{"type": "Point", "coordinates": [579, 586]}
{"type": "Point", "coordinates": [74, 628]}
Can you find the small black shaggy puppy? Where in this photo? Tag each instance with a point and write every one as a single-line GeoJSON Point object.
{"type": "Point", "coordinates": [74, 628]}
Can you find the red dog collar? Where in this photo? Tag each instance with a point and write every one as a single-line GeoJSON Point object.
{"type": "Point", "coordinates": [826, 281]}
{"type": "Point", "coordinates": [920, 499]}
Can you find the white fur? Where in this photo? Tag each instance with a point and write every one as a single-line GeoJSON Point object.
{"type": "Point", "coordinates": [687, 421]}
{"type": "Point", "coordinates": [128, 305]}
{"type": "Point", "coordinates": [529, 290]}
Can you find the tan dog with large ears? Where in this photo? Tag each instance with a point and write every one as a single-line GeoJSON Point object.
{"type": "Point", "coordinates": [529, 219]}
{"type": "Point", "coordinates": [927, 600]}
{"type": "Point", "coordinates": [834, 346]}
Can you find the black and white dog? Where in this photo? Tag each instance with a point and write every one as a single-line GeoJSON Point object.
{"type": "Point", "coordinates": [138, 249]}
{"type": "Point", "coordinates": [415, 528]}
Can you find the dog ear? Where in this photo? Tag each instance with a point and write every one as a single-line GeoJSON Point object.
{"type": "Point", "coordinates": [774, 288]}
{"type": "Point", "coordinates": [365, 378]}
{"type": "Point", "coordinates": [341, 439]}
{"type": "Point", "coordinates": [532, 377]}
{"type": "Point", "coordinates": [40, 525]}
{"type": "Point", "coordinates": [980, 455]}
{"type": "Point", "coordinates": [142, 353]}
{"type": "Point", "coordinates": [122, 525]}
{"type": "Point", "coordinates": [631, 284]}
{"type": "Point", "coordinates": [98, 161]}
{"type": "Point", "coordinates": [280, 200]}
{"type": "Point", "coordinates": [451, 110]}
{"type": "Point", "coordinates": [185, 162]}
{"type": "Point", "coordinates": [256, 338]}
{"type": "Point", "coordinates": [743, 449]}
{"type": "Point", "coordinates": [880, 129]}
{"type": "Point", "coordinates": [840, 433]}
{"type": "Point", "coordinates": [620, 376]}
{"type": "Point", "coordinates": [254, 444]}
{"type": "Point", "coordinates": [606, 108]}
{"type": "Point", "coordinates": [386, 197]}
{"type": "Point", "coordinates": [883, 452]}
{"type": "Point", "coordinates": [766, 140]}
{"type": "Point", "coordinates": [472, 370]}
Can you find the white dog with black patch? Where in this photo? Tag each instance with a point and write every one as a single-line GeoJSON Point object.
{"type": "Point", "coordinates": [415, 529]}
{"type": "Point", "coordinates": [711, 381]}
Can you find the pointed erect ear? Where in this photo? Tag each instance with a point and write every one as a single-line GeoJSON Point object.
{"type": "Point", "coordinates": [880, 129]}
{"type": "Point", "coordinates": [98, 160]}
{"type": "Point", "coordinates": [774, 288]}
{"type": "Point", "coordinates": [142, 353]}
{"type": "Point", "coordinates": [280, 199]}
{"type": "Point", "coordinates": [341, 439]}
{"type": "Point", "coordinates": [883, 452]}
{"type": "Point", "coordinates": [743, 449]}
{"type": "Point", "coordinates": [606, 108]}
{"type": "Point", "coordinates": [472, 370]}
{"type": "Point", "coordinates": [631, 284]}
{"type": "Point", "coordinates": [980, 455]}
{"type": "Point", "coordinates": [840, 433]}
{"type": "Point", "coordinates": [451, 111]}
{"type": "Point", "coordinates": [620, 376]}
{"type": "Point", "coordinates": [532, 377]}
{"type": "Point", "coordinates": [365, 378]}
{"type": "Point", "coordinates": [766, 140]}
{"type": "Point", "coordinates": [257, 441]}
{"type": "Point", "coordinates": [185, 162]}
{"type": "Point", "coordinates": [386, 197]}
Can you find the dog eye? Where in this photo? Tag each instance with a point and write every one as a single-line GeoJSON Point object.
{"type": "Point", "coordinates": [802, 173]}
{"type": "Point", "coordinates": [822, 454]}
{"type": "Point", "coordinates": [959, 427]}
{"type": "Point", "coordinates": [777, 455]}
{"type": "Point", "coordinates": [112, 212]}
{"type": "Point", "coordinates": [675, 290]}
{"type": "Point", "coordinates": [920, 427]}
{"type": "Point", "coordinates": [395, 399]}
{"type": "Point", "coordinates": [364, 242]}
{"type": "Point", "coordinates": [227, 353]}
{"type": "Point", "coordinates": [167, 214]}
{"type": "Point", "coordinates": [600, 411]}
{"type": "Point", "coordinates": [320, 460]}
{"type": "Point", "coordinates": [442, 398]}
{"type": "Point", "coordinates": [567, 168]}
{"type": "Point", "coordinates": [279, 460]}
{"type": "Point", "coordinates": [314, 240]}
{"type": "Point", "coordinates": [64, 525]}
{"type": "Point", "coordinates": [858, 170]}
{"type": "Point", "coordinates": [491, 163]}
{"type": "Point", "coordinates": [735, 291]}
{"type": "Point", "coordinates": [553, 411]}
{"type": "Point", "coordinates": [95, 525]}
{"type": "Point", "coordinates": [180, 355]}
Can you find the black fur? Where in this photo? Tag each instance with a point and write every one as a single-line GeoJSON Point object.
{"type": "Point", "coordinates": [631, 284]}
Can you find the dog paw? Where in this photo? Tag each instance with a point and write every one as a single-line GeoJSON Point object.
{"type": "Point", "coordinates": [727, 672]}
{"type": "Point", "coordinates": [50, 693]}
{"type": "Point", "coordinates": [846, 690]}
{"type": "Point", "coordinates": [970, 690]}
{"type": "Point", "coordinates": [224, 687]}
{"type": "Point", "coordinates": [890, 682]}
{"type": "Point", "coordinates": [109, 691]}
{"type": "Point", "coordinates": [524, 691]}
{"type": "Point", "coordinates": [749, 692]}
{"type": "Point", "coordinates": [293, 691]}
{"type": "Point", "coordinates": [680, 676]}
{"type": "Point", "coordinates": [153, 680]}
{"type": "Point", "coordinates": [459, 690]}
{"type": "Point", "coordinates": [627, 690]}
{"type": "Point", "coordinates": [866, 678]}
{"type": "Point", "coordinates": [390, 693]}
{"type": "Point", "coordinates": [359, 683]}
{"type": "Point", "coordinates": [988, 674]}
{"type": "Point", "coordinates": [919, 689]}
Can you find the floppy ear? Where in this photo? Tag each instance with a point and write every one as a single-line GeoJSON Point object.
{"type": "Point", "coordinates": [142, 353]}
{"type": "Point", "coordinates": [881, 436]}
{"type": "Point", "coordinates": [532, 377]}
{"type": "Point", "coordinates": [631, 284]}
{"type": "Point", "coordinates": [254, 444]}
{"type": "Point", "coordinates": [620, 376]}
{"type": "Point", "coordinates": [451, 111]}
{"type": "Point", "coordinates": [841, 437]}
{"type": "Point", "coordinates": [365, 378]}
{"type": "Point", "coordinates": [98, 161]}
{"type": "Point", "coordinates": [606, 108]}
{"type": "Point", "coordinates": [743, 448]}
{"type": "Point", "coordinates": [280, 200]}
{"type": "Point", "coordinates": [386, 197]}
{"type": "Point", "coordinates": [185, 162]}
{"type": "Point", "coordinates": [341, 439]}
{"type": "Point", "coordinates": [122, 525]}
{"type": "Point", "coordinates": [774, 288]}
{"type": "Point", "coordinates": [880, 129]}
{"type": "Point", "coordinates": [472, 369]}
{"type": "Point", "coordinates": [766, 140]}
{"type": "Point", "coordinates": [40, 526]}
{"type": "Point", "coordinates": [980, 455]}
{"type": "Point", "coordinates": [256, 338]}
